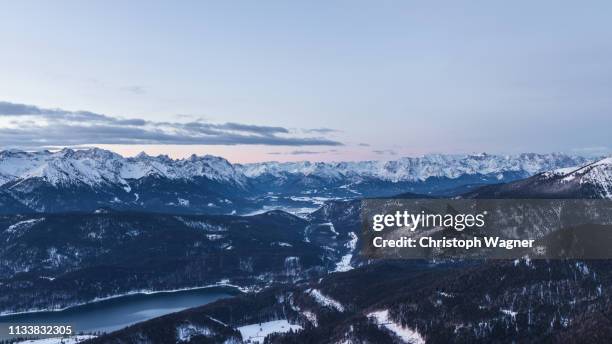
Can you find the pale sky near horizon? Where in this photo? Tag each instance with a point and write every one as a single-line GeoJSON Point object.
{"type": "Point", "coordinates": [316, 80]}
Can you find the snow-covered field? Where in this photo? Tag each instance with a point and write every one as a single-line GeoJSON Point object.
{"type": "Point", "coordinates": [406, 334]}
{"type": "Point", "coordinates": [58, 340]}
{"type": "Point", "coordinates": [255, 333]}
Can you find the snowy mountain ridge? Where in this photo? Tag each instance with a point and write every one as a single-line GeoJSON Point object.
{"type": "Point", "coordinates": [597, 174]}
{"type": "Point", "coordinates": [99, 167]}
{"type": "Point", "coordinates": [420, 168]}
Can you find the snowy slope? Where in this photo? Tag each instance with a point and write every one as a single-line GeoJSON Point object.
{"type": "Point", "coordinates": [406, 334]}
{"type": "Point", "coordinates": [597, 176]}
{"type": "Point", "coordinates": [256, 333]}
{"type": "Point", "coordinates": [590, 181]}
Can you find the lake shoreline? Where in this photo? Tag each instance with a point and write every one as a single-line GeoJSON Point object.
{"type": "Point", "coordinates": [221, 285]}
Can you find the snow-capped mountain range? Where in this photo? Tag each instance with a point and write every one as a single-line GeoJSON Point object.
{"type": "Point", "coordinates": [97, 166]}
{"type": "Point", "coordinates": [92, 178]}
{"type": "Point", "coordinates": [420, 168]}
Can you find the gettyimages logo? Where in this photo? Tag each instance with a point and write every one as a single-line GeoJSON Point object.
{"type": "Point", "coordinates": [499, 229]}
{"type": "Point", "coordinates": [411, 221]}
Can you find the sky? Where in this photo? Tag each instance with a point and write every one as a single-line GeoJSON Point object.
{"type": "Point", "coordinates": [312, 80]}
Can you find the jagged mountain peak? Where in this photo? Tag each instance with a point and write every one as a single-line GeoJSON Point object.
{"type": "Point", "coordinates": [142, 155]}
{"type": "Point", "coordinates": [98, 166]}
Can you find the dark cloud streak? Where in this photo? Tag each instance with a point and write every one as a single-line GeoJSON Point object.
{"type": "Point", "coordinates": [321, 130]}
{"type": "Point", "coordinates": [39, 127]}
{"type": "Point", "coordinates": [384, 152]}
{"type": "Point", "coordinates": [303, 152]}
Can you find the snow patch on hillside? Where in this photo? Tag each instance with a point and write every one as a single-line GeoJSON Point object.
{"type": "Point", "coordinates": [406, 334]}
{"type": "Point", "coordinates": [185, 332]}
{"type": "Point", "coordinates": [345, 262]}
{"type": "Point", "coordinates": [257, 332]}
{"type": "Point", "coordinates": [23, 225]}
{"type": "Point", "coordinates": [202, 225]}
{"type": "Point", "coordinates": [331, 228]}
{"type": "Point", "coordinates": [325, 300]}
